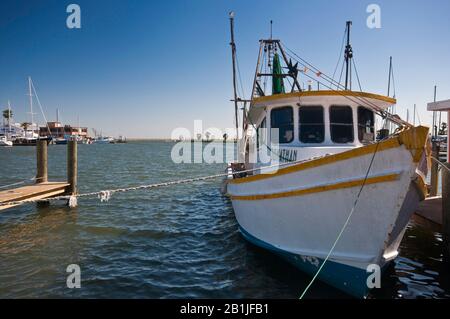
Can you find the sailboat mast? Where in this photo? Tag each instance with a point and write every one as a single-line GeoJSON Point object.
{"type": "Point", "coordinates": [233, 52]}
{"type": "Point", "coordinates": [9, 117]}
{"type": "Point", "coordinates": [390, 75]}
{"type": "Point", "coordinates": [348, 55]}
{"type": "Point", "coordinates": [31, 100]}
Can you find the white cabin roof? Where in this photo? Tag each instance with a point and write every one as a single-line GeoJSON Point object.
{"type": "Point", "coordinates": [439, 106]}
{"type": "Point", "coordinates": [351, 98]}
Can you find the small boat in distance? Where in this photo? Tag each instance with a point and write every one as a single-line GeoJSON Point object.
{"type": "Point", "coordinates": [121, 140]}
{"type": "Point", "coordinates": [103, 140]}
{"type": "Point", "coordinates": [325, 194]}
{"type": "Point", "coordinates": [4, 141]}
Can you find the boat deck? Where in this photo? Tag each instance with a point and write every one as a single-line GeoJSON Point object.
{"type": "Point", "coordinates": [32, 192]}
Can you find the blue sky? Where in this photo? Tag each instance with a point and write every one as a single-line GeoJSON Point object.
{"type": "Point", "coordinates": [143, 68]}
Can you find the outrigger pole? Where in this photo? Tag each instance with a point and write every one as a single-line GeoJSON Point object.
{"type": "Point", "coordinates": [233, 52]}
{"type": "Point", "coordinates": [265, 46]}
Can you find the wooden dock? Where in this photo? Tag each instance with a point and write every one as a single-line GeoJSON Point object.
{"type": "Point", "coordinates": [43, 189]}
{"type": "Point", "coordinates": [431, 209]}
{"type": "Point", "coordinates": [32, 192]}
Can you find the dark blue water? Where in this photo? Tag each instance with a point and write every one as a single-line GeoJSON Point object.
{"type": "Point", "coordinates": [173, 242]}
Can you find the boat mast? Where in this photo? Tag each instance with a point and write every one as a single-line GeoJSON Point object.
{"type": "Point", "coordinates": [30, 94]}
{"type": "Point", "coordinates": [9, 117]}
{"type": "Point", "coordinates": [348, 56]}
{"type": "Point", "coordinates": [233, 52]}
{"type": "Point", "coordinates": [390, 75]}
{"type": "Point", "coordinates": [57, 122]}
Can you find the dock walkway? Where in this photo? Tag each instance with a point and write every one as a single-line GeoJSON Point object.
{"type": "Point", "coordinates": [32, 192]}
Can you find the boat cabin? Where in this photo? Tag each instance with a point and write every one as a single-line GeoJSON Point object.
{"type": "Point", "coordinates": [315, 123]}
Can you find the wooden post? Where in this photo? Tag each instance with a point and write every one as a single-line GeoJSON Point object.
{"type": "Point", "coordinates": [434, 170]}
{"type": "Point", "coordinates": [72, 166]}
{"type": "Point", "coordinates": [446, 206]}
{"type": "Point", "coordinates": [41, 162]}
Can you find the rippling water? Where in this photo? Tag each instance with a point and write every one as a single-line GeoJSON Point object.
{"type": "Point", "coordinates": [173, 242]}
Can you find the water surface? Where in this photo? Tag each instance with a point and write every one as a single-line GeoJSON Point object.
{"type": "Point", "coordinates": [171, 242]}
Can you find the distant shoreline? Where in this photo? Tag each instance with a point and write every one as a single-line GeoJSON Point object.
{"type": "Point", "coordinates": [169, 140]}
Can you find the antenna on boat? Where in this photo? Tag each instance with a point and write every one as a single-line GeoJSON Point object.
{"type": "Point", "coordinates": [233, 52]}
{"type": "Point", "coordinates": [271, 26]}
{"type": "Point", "coordinates": [348, 56]}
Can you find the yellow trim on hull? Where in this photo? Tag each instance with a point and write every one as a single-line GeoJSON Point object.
{"type": "Point", "coordinates": [270, 98]}
{"type": "Point", "coordinates": [320, 189]}
{"type": "Point", "coordinates": [414, 140]}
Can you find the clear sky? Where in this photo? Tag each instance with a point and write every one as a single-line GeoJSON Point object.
{"type": "Point", "coordinates": [143, 68]}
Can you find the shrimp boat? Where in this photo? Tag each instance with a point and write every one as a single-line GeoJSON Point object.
{"type": "Point", "coordinates": [340, 196]}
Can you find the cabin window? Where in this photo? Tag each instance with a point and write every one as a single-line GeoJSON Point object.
{"type": "Point", "coordinates": [366, 125]}
{"type": "Point", "coordinates": [261, 132]}
{"type": "Point", "coordinates": [312, 127]}
{"type": "Point", "coordinates": [283, 119]}
{"type": "Point", "coordinates": [341, 124]}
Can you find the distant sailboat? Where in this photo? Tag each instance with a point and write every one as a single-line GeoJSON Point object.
{"type": "Point", "coordinates": [30, 134]}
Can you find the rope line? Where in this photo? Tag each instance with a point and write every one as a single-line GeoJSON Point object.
{"type": "Point", "coordinates": [105, 195]}
{"type": "Point", "coordinates": [345, 224]}
{"type": "Point", "coordinates": [440, 163]}
{"type": "Point", "coordinates": [21, 182]}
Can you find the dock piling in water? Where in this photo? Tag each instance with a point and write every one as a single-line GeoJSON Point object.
{"type": "Point", "coordinates": [434, 171]}
{"type": "Point", "coordinates": [446, 206]}
{"type": "Point", "coordinates": [41, 162]}
{"type": "Point", "coordinates": [72, 166]}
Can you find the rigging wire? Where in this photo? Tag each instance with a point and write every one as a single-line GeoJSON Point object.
{"type": "Point", "coordinates": [382, 112]}
{"type": "Point", "coordinates": [40, 106]}
{"type": "Point", "coordinates": [357, 75]}
{"type": "Point", "coordinates": [340, 77]}
{"type": "Point", "coordinates": [347, 221]}
{"type": "Point", "coordinates": [240, 78]}
{"type": "Point", "coordinates": [305, 63]}
{"type": "Point", "coordinates": [265, 71]}
{"type": "Point", "coordinates": [360, 99]}
{"type": "Point", "coordinates": [340, 54]}
{"type": "Point", "coordinates": [393, 80]}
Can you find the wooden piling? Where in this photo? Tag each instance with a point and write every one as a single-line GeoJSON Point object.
{"type": "Point", "coordinates": [72, 166]}
{"type": "Point", "coordinates": [446, 206]}
{"type": "Point", "coordinates": [434, 170]}
{"type": "Point", "coordinates": [41, 162]}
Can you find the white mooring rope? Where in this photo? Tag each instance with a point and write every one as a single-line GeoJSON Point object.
{"type": "Point", "coordinates": [347, 221]}
{"type": "Point", "coordinates": [105, 195]}
{"type": "Point", "coordinates": [21, 182]}
{"type": "Point", "coordinates": [440, 163]}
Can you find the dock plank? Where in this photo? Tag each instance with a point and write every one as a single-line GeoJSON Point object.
{"type": "Point", "coordinates": [32, 192]}
{"type": "Point", "coordinates": [431, 209]}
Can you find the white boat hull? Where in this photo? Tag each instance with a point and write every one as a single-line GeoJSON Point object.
{"type": "Point", "coordinates": [299, 212]}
